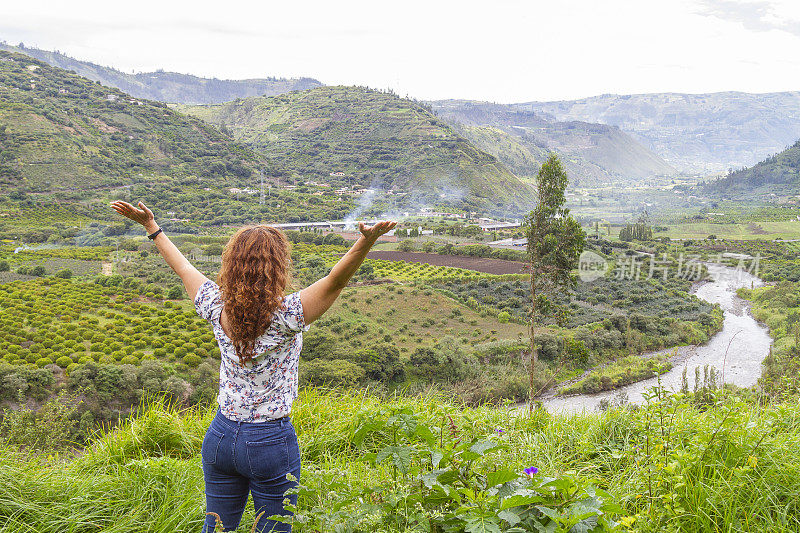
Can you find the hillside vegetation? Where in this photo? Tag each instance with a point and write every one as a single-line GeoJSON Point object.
{"type": "Point", "coordinates": [593, 154]}
{"type": "Point", "coordinates": [61, 131]}
{"type": "Point", "coordinates": [694, 132]}
{"type": "Point", "coordinates": [777, 174]}
{"type": "Point", "coordinates": [169, 86]}
{"type": "Point", "coordinates": [373, 138]}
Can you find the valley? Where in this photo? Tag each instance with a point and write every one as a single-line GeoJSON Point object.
{"type": "Point", "coordinates": [663, 395]}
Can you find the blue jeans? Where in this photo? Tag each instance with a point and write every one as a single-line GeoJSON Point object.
{"type": "Point", "coordinates": [241, 458]}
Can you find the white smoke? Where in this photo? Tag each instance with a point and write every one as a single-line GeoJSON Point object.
{"type": "Point", "coordinates": [364, 202]}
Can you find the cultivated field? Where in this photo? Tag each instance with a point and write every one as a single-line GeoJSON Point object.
{"type": "Point", "coordinates": [478, 264]}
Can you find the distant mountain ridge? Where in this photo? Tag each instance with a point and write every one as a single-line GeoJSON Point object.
{"type": "Point", "coordinates": [699, 133]}
{"type": "Point", "coordinates": [60, 131]}
{"type": "Point", "coordinates": [169, 86]}
{"type": "Point", "coordinates": [359, 136]}
{"type": "Point", "coordinates": [594, 154]}
{"type": "Point", "coordinates": [778, 175]}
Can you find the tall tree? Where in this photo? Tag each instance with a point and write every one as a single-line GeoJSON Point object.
{"type": "Point", "coordinates": [555, 240]}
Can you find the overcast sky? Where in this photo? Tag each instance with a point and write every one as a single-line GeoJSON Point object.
{"type": "Point", "coordinates": [498, 50]}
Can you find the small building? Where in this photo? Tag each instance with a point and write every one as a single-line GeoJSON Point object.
{"type": "Point", "coordinates": [500, 225]}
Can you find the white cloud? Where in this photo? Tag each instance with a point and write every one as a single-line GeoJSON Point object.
{"type": "Point", "coordinates": [501, 51]}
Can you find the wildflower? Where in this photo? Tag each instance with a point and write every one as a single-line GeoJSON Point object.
{"type": "Point", "coordinates": [500, 431]}
{"type": "Point", "coordinates": [531, 471]}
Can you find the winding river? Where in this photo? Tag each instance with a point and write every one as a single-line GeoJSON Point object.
{"type": "Point", "coordinates": [745, 341]}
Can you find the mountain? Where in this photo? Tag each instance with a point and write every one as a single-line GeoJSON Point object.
{"type": "Point", "coordinates": [61, 131]}
{"type": "Point", "coordinates": [371, 138]}
{"type": "Point", "coordinates": [169, 86]}
{"type": "Point", "coordinates": [594, 154]}
{"type": "Point", "coordinates": [698, 133]}
{"type": "Point", "coordinates": [777, 175]}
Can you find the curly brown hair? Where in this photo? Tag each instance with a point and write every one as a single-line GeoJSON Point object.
{"type": "Point", "coordinates": [255, 272]}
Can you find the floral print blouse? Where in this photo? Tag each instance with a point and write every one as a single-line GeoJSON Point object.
{"type": "Point", "coordinates": [265, 387]}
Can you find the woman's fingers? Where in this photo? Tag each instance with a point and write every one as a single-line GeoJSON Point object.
{"type": "Point", "coordinates": [146, 210]}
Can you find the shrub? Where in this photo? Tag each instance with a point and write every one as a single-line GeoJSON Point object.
{"type": "Point", "coordinates": [381, 362]}
{"type": "Point", "coordinates": [64, 274]}
{"type": "Point", "coordinates": [174, 292]}
{"type": "Point", "coordinates": [63, 361]}
{"type": "Point", "coordinates": [130, 360]}
{"type": "Point", "coordinates": [336, 372]}
{"type": "Point", "coordinates": [191, 360]}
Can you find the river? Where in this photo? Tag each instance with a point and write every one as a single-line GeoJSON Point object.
{"type": "Point", "coordinates": [749, 344]}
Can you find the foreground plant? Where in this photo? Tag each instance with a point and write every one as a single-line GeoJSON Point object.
{"type": "Point", "coordinates": [441, 480]}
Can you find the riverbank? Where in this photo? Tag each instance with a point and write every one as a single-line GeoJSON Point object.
{"type": "Point", "coordinates": [735, 353]}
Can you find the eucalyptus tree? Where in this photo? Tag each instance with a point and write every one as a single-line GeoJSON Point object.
{"type": "Point", "coordinates": [555, 241]}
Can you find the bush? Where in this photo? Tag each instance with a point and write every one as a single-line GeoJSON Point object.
{"type": "Point", "coordinates": [336, 372]}
{"type": "Point", "coordinates": [381, 363]}
{"type": "Point", "coordinates": [4, 267]}
{"type": "Point", "coordinates": [191, 360]}
{"type": "Point", "coordinates": [130, 360]}
{"type": "Point", "coordinates": [38, 271]}
{"type": "Point", "coordinates": [63, 361]}
{"type": "Point", "coordinates": [64, 274]}
{"type": "Point", "coordinates": [174, 292]}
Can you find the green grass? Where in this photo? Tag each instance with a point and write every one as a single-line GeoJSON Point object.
{"type": "Point", "coordinates": [731, 466]}
{"type": "Point", "coordinates": [619, 373]}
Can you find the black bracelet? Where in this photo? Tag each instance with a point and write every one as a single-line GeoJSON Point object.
{"type": "Point", "coordinates": [154, 234]}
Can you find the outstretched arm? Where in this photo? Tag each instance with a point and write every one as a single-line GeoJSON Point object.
{"type": "Point", "coordinates": [191, 277]}
{"type": "Point", "coordinates": [319, 297]}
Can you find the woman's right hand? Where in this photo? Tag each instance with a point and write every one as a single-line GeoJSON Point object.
{"type": "Point", "coordinates": [373, 232]}
{"type": "Point", "coordinates": [143, 216]}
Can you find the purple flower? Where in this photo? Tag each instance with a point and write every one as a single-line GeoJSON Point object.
{"type": "Point", "coordinates": [500, 431]}
{"type": "Point", "coordinates": [531, 471]}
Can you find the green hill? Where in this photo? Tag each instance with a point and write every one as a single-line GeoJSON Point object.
{"type": "Point", "coordinates": [169, 86]}
{"type": "Point", "coordinates": [61, 131]}
{"type": "Point", "coordinates": [778, 174]}
{"type": "Point", "coordinates": [594, 154]}
{"type": "Point", "coordinates": [372, 138]}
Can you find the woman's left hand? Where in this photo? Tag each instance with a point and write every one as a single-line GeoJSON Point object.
{"type": "Point", "coordinates": [143, 216]}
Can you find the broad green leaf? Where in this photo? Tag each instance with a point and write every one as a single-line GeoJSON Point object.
{"type": "Point", "coordinates": [425, 433]}
{"type": "Point", "coordinates": [431, 478]}
{"type": "Point", "coordinates": [552, 514]}
{"type": "Point", "coordinates": [520, 499]}
{"type": "Point", "coordinates": [482, 524]}
{"type": "Point", "coordinates": [483, 446]}
{"type": "Point", "coordinates": [509, 516]}
{"type": "Point", "coordinates": [436, 458]}
{"type": "Point", "coordinates": [400, 455]}
{"type": "Point", "coordinates": [500, 476]}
